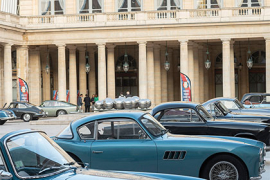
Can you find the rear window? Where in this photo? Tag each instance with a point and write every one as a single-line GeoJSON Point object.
{"type": "Point", "coordinates": [65, 134]}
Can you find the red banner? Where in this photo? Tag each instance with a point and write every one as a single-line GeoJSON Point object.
{"type": "Point", "coordinates": [185, 87]}
{"type": "Point", "coordinates": [24, 91]}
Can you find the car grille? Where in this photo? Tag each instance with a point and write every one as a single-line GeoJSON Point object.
{"type": "Point", "coordinates": [174, 155]}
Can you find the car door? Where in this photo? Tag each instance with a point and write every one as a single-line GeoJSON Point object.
{"type": "Point", "coordinates": [183, 121]}
{"type": "Point", "coordinates": [15, 108]}
{"type": "Point", "coordinates": [122, 144]}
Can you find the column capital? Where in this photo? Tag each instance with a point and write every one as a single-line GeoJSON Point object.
{"type": "Point", "coordinates": [110, 46]}
{"type": "Point", "coordinates": [59, 45]}
{"type": "Point", "coordinates": [71, 47]}
{"type": "Point", "coordinates": [267, 38]}
{"type": "Point", "coordinates": [7, 44]}
{"type": "Point", "coordinates": [101, 44]}
{"type": "Point", "coordinates": [183, 41]}
{"type": "Point", "coordinates": [22, 47]}
{"type": "Point", "coordinates": [225, 40]}
{"type": "Point", "coordinates": [141, 42]}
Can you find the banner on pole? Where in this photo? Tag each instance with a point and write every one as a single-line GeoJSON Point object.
{"type": "Point", "coordinates": [24, 91]}
{"type": "Point", "coordinates": [55, 94]}
{"type": "Point", "coordinates": [185, 87]}
{"type": "Point", "coordinates": [67, 96]}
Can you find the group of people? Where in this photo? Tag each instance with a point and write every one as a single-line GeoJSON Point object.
{"type": "Point", "coordinates": [91, 101]}
{"type": "Point", "coordinates": [87, 102]}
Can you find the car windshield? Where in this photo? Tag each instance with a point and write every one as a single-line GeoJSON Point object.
{"type": "Point", "coordinates": [35, 154]}
{"type": "Point", "coordinates": [152, 125]}
{"type": "Point", "coordinates": [240, 105]}
{"type": "Point", "coordinates": [204, 113]}
{"type": "Point", "coordinates": [223, 108]}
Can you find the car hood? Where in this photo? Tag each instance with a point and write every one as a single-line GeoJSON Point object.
{"type": "Point", "coordinates": [265, 112]}
{"type": "Point", "coordinates": [212, 139]}
{"type": "Point", "coordinates": [82, 174]}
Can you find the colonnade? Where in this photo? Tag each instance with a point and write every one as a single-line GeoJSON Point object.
{"type": "Point", "coordinates": [155, 82]}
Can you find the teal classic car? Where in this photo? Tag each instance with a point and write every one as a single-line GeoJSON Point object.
{"type": "Point", "coordinates": [136, 141]}
{"type": "Point", "coordinates": [30, 154]}
{"type": "Point", "coordinates": [56, 108]}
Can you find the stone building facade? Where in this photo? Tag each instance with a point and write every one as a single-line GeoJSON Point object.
{"type": "Point", "coordinates": [49, 42]}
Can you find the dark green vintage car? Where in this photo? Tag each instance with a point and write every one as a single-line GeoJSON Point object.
{"type": "Point", "coordinates": [56, 108]}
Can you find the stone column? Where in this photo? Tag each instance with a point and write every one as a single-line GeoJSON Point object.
{"type": "Point", "coordinates": [201, 74]}
{"type": "Point", "coordinates": [183, 60]}
{"type": "Point", "coordinates": [82, 73]}
{"type": "Point", "coordinates": [228, 90]}
{"type": "Point", "coordinates": [170, 80]}
{"type": "Point", "coordinates": [35, 77]}
{"type": "Point", "coordinates": [92, 73]}
{"type": "Point", "coordinates": [196, 77]}
{"type": "Point", "coordinates": [150, 74]}
{"type": "Point", "coordinates": [157, 74]}
{"type": "Point", "coordinates": [142, 70]}
{"type": "Point", "coordinates": [191, 69]}
{"type": "Point", "coordinates": [45, 60]}
{"type": "Point", "coordinates": [61, 72]}
{"type": "Point", "coordinates": [102, 86]}
{"type": "Point", "coordinates": [111, 72]}
{"type": "Point", "coordinates": [72, 74]}
{"type": "Point", "coordinates": [7, 74]}
{"type": "Point", "coordinates": [267, 67]}
{"type": "Point", "coordinates": [176, 81]}
{"type": "Point", "coordinates": [244, 73]}
{"type": "Point", "coordinates": [164, 79]}
{"type": "Point", "coordinates": [232, 69]}
{"type": "Point", "coordinates": [1, 76]}
{"type": "Point", "coordinates": [22, 62]}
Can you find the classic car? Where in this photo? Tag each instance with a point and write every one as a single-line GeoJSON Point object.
{"type": "Point", "coordinates": [256, 100]}
{"type": "Point", "coordinates": [219, 111]}
{"type": "Point", "coordinates": [6, 115]}
{"type": "Point", "coordinates": [56, 108]}
{"type": "Point", "coordinates": [234, 105]}
{"type": "Point", "coordinates": [136, 141]}
{"type": "Point", "coordinates": [193, 119]}
{"type": "Point", "coordinates": [27, 154]}
{"type": "Point", "coordinates": [26, 111]}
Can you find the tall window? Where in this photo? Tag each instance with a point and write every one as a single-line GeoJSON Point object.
{"type": "Point", "coordinates": [52, 7]}
{"type": "Point", "coordinates": [249, 3]}
{"type": "Point", "coordinates": [10, 6]}
{"type": "Point", "coordinates": [208, 4]}
{"type": "Point", "coordinates": [168, 4]}
{"type": "Point", "coordinates": [129, 5]}
{"type": "Point", "coordinates": [90, 6]}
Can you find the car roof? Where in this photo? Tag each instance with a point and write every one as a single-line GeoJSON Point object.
{"type": "Point", "coordinates": [213, 100]}
{"type": "Point", "coordinates": [174, 104]}
{"type": "Point", "coordinates": [112, 114]}
{"type": "Point", "coordinates": [247, 95]}
{"type": "Point", "coordinates": [17, 132]}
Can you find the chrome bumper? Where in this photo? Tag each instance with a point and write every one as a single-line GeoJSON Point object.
{"type": "Point", "coordinates": [256, 178]}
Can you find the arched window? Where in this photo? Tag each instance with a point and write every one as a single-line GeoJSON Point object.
{"type": "Point", "coordinates": [168, 4]}
{"type": "Point", "coordinates": [258, 57]}
{"type": "Point", "coordinates": [51, 7]}
{"type": "Point", "coordinates": [90, 6]}
{"type": "Point", "coordinates": [208, 4]}
{"type": "Point", "coordinates": [249, 3]}
{"type": "Point", "coordinates": [128, 5]}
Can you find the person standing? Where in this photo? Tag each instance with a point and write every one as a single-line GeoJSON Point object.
{"type": "Point", "coordinates": [93, 102]}
{"type": "Point", "coordinates": [128, 94]}
{"type": "Point", "coordinates": [121, 95]}
{"type": "Point", "coordinates": [87, 103]}
{"type": "Point", "coordinates": [96, 98]}
{"type": "Point", "coordinates": [80, 103]}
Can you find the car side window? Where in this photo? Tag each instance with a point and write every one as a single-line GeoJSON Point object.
{"type": "Point", "coordinates": [230, 104]}
{"type": "Point", "coordinates": [255, 99]}
{"type": "Point", "coordinates": [119, 129]}
{"type": "Point", "coordinates": [87, 131]}
{"type": "Point", "coordinates": [266, 100]}
{"type": "Point", "coordinates": [180, 115]}
{"type": "Point", "coordinates": [21, 106]}
{"type": "Point", "coordinates": [47, 103]}
{"type": "Point", "coordinates": [212, 109]}
{"type": "Point", "coordinates": [2, 165]}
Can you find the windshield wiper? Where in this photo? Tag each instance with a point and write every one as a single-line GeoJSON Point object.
{"type": "Point", "coordinates": [50, 168]}
{"type": "Point", "coordinates": [69, 164]}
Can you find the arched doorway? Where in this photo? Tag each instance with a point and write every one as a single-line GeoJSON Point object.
{"type": "Point", "coordinates": [257, 81]}
{"type": "Point", "coordinates": [126, 81]}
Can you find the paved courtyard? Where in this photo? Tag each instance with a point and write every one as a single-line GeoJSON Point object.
{"type": "Point", "coordinates": [53, 130]}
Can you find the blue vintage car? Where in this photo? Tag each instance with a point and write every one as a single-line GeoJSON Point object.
{"type": "Point", "coordinates": [30, 154]}
{"type": "Point", "coordinates": [256, 100]}
{"type": "Point", "coordinates": [136, 141]}
{"type": "Point", "coordinates": [6, 115]}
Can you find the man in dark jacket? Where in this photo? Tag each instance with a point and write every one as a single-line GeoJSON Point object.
{"type": "Point", "coordinates": [87, 103]}
{"type": "Point", "coordinates": [79, 103]}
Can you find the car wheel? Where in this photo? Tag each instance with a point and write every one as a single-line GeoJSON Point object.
{"type": "Point", "coordinates": [224, 167]}
{"type": "Point", "coordinates": [3, 122]}
{"type": "Point", "coordinates": [61, 112]}
{"type": "Point", "coordinates": [27, 117]}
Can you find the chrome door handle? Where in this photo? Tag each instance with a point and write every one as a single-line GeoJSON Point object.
{"type": "Point", "coordinates": [97, 152]}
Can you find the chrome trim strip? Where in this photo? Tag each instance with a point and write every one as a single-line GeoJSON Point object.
{"type": "Point", "coordinates": [256, 178]}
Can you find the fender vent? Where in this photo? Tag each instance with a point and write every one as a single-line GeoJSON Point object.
{"type": "Point", "coordinates": [174, 155]}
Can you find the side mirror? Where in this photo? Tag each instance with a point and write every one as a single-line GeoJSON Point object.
{"type": "Point", "coordinates": [5, 175]}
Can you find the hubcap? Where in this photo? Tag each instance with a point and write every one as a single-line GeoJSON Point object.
{"type": "Point", "coordinates": [223, 171]}
{"type": "Point", "coordinates": [61, 112]}
{"type": "Point", "coordinates": [27, 117]}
